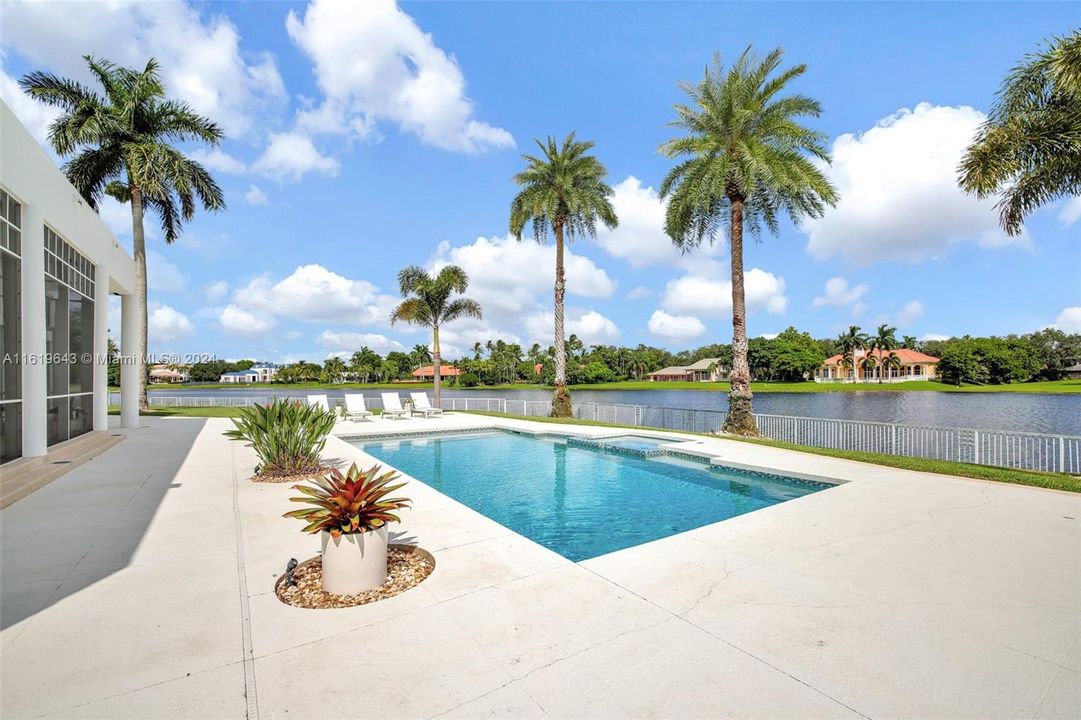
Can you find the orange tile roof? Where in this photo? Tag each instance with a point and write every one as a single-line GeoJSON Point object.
{"type": "Point", "coordinates": [909, 357]}
{"type": "Point", "coordinates": [429, 371]}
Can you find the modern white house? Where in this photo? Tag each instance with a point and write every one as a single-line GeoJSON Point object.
{"type": "Point", "coordinates": [263, 372]}
{"type": "Point", "coordinates": [58, 265]}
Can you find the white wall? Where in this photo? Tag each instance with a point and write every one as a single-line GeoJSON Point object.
{"type": "Point", "coordinates": [30, 175]}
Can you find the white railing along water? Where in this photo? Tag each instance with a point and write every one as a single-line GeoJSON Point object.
{"type": "Point", "coordinates": [1000, 448]}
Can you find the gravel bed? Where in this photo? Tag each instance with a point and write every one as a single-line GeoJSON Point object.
{"type": "Point", "coordinates": [407, 567]}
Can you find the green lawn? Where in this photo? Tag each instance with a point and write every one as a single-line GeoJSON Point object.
{"type": "Point", "coordinates": [185, 411]}
{"type": "Point", "coordinates": [1053, 481]}
{"type": "Point", "coordinates": [1049, 386]}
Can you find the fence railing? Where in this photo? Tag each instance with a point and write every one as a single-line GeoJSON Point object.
{"type": "Point", "coordinates": [1000, 448]}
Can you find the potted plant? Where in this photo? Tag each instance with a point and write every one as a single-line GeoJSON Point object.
{"type": "Point", "coordinates": [351, 511]}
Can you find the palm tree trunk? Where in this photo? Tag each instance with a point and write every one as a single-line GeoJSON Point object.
{"type": "Point", "coordinates": [436, 359]}
{"type": "Point", "coordinates": [139, 250]}
{"type": "Point", "coordinates": [561, 399]}
{"type": "Point", "coordinates": [740, 419]}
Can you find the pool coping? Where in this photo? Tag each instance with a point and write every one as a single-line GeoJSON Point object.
{"type": "Point", "coordinates": [547, 430]}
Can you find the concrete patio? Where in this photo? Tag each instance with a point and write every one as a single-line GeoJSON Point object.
{"type": "Point", "coordinates": [140, 585]}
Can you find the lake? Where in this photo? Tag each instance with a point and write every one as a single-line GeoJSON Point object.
{"type": "Point", "coordinates": [1025, 412]}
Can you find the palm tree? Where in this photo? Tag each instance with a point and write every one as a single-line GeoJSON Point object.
{"type": "Point", "coordinates": [428, 303]}
{"type": "Point", "coordinates": [848, 344]}
{"type": "Point", "coordinates": [563, 191]}
{"type": "Point", "coordinates": [884, 342]}
{"type": "Point", "coordinates": [891, 362]}
{"type": "Point", "coordinates": [420, 355]}
{"type": "Point", "coordinates": [478, 350]}
{"type": "Point", "coordinates": [743, 161]}
{"type": "Point", "coordinates": [910, 342]}
{"type": "Point", "coordinates": [1029, 148]}
{"type": "Point", "coordinates": [121, 143]}
{"type": "Point", "coordinates": [334, 368]}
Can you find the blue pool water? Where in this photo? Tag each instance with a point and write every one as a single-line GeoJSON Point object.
{"type": "Point", "coordinates": [581, 501]}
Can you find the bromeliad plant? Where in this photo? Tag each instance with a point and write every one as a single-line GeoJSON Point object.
{"type": "Point", "coordinates": [286, 435]}
{"type": "Point", "coordinates": [348, 503]}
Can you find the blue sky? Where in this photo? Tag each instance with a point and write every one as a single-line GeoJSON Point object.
{"type": "Point", "coordinates": [365, 138]}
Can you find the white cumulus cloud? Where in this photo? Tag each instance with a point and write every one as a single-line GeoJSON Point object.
{"type": "Point", "coordinates": [237, 320]}
{"type": "Point", "coordinates": [1070, 212]}
{"type": "Point", "coordinates": [708, 296]}
{"type": "Point", "coordinates": [219, 160]}
{"type": "Point", "coordinates": [200, 52]}
{"type": "Point", "coordinates": [839, 294]}
{"type": "Point", "coordinates": [216, 291]}
{"type": "Point", "coordinates": [910, 313]}
{"type": "Point", "coordinates": [255, 196]}
{"type": "Point", "coordinates": [1069, 320]}
{"type": "Point", "coordinates": [373, 63]}
{"type": "Point", "coordinates": [350, 342]}
{"type": "Point", "coordinates": [590, 326]}
{"type": "Point", "coordinates": [290, 155]}
{"type": "Point", "coordinates": [315, 294]}
{"type": "Point", "coordinates": [166, 324]}
{"type": "Point", "coordinates": [899, 195]}
{"type": "Point", "coordinates": [675, 327]}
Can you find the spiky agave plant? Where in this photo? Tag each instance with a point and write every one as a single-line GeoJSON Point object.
{"type": "Point", "coordinates": [286, 435]}
{"type": "Point", "coordinates": [352, 502]}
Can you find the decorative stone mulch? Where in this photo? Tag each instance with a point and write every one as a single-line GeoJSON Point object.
{"type": "Point", "coordinates": [407, 567]}
{"type": "Point", "coordinates": [291, 478]}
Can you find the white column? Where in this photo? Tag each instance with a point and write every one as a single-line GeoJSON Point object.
{"type": "Point", "coordinates": [129, 378]}
{"type": "Point", "coordinates": [101, 348]}
{"type": "Point", "coordinates": [35, 372]}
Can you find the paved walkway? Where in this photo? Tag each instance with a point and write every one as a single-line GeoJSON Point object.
{"type": "Point", "coordinates": [141, 585]}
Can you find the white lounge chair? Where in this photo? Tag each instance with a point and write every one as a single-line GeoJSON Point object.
{"type": "Point", "coordinates": [354, 407]}
{"type": "Point", "coordinates": [392, 407]}
{"type": "Point", "coordinates": [320, 400]}
{"type": "Point", "coordinates": [423, 406]}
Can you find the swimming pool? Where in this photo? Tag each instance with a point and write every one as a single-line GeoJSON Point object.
{"type": "Point", "coordinates": [578, 500]}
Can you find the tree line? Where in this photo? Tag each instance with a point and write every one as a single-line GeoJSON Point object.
{"type": "Point", "coordinates": [791, 356]}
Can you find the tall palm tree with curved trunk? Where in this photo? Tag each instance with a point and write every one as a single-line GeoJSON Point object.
{"type": "Point", "coordinates": [1028, 151]}
{"type": "Point", "coordinates": [745, 159]}
{"type": "Point", "coordinates": [121, 141]}
{"type": "Point", "coordinates": [429, 302]}
{"type": "Point", "coordinates": [563, 191]}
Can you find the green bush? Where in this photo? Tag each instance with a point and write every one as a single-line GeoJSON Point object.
{"type": "Point", "coordinates": [286, 435]}
{"type": "Point", "coordinates": [469, 379]}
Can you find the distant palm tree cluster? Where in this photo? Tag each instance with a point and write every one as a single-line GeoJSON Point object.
{"type": "Point", "coordinates": [744, 160]}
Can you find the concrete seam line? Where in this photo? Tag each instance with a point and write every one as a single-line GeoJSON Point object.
{"type": "Point", "coordinates": [250, 695]}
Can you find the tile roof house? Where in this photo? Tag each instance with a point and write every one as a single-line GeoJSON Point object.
{"type": "Point", "coordinates": [428, 371]}
{"type": "Point", "coordinates": [912, 365]}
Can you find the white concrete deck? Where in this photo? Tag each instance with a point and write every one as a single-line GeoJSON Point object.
{"type": "Point", "coordinates": [140, 585]}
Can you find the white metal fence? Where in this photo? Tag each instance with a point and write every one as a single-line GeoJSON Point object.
{"type": "Point", "coordinates": [1021, 450]}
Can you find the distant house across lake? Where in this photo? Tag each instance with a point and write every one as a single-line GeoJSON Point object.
{"type": "Point", "coordinates": [912, 365]}
{"type": "Point", "coordinates": [428, 372]}
{"type": "Point", "coordinates": [704, 370]}
{"type": "Point", "coordinates": [263, 372]}
{"type": "Point", "coordinates": [169, 373]}
{"type": "Point", "coordinates": [1073, 372]}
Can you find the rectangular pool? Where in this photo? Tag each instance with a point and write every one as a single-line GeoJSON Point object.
{"type": "Point", "coordinates": [577, 500]}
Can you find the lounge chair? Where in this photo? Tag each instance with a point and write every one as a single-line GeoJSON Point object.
{"type": "Point", "coordinates": [320, 400]}
{"type": "Point", "coordinates": [392, 407]}
{"type": "Point", "coordinates": [423, 406]}
{"type": "Point", "coordinates": [354, 407]}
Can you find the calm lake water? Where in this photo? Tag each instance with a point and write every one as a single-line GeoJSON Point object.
{"type": "Point", "coordinates": [992, 411]}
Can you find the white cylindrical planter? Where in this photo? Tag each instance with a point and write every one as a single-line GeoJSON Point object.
{"type": "Point", "coordinates": [354, 563]}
